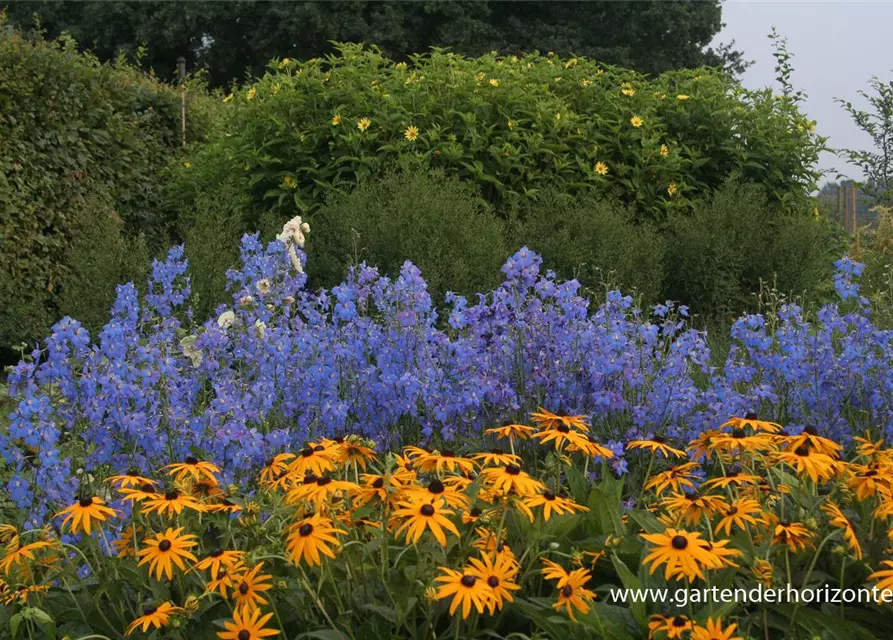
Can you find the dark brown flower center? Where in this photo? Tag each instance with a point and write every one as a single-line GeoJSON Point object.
{"type": "Point", "coordinates": [321, 482]}
{"type": "Point", "coordinates": [679, 542]}
{"type": "Point", "coordinates": [307, 452]}
{"type": "Point", "coordinates": [216, 553]}
{"type": "Point", "coordinates": [244, 588]}
{"type": "Point", "coordinates": [785, 523]}
{"type": "Point", "coordinates": [658, 439]}
{"type": "Point", "coordinates": [378, 483]}
{"type": "Point", "coordinates": [548, 495]}
{"type": "Point", "coordinates": [191, 460]}
{"type": "Point", "coordinates": [563, 428]}
{"type": "Point", "coordinates": [244, 634]}
{"type": "Point", "coordinates": [85, 502]}
{"type": "Point", "coordinates": [802, 451]}
{"type": "Point", "coordinates": [567, 591]}
{"type": "Point", "coordinates": [496, 451]}
{"type": "Point", "coordinates": [731, 474]}
{"type": "Point", "coordinates": [750, 415]}
{"type": "Point", "coordinates": [427, 510]}
{"type": "Point", "coordinates": [149, 609]}
{"type": "Point", "coordinates": [148, 488]}
{"type": "Point", "coordinates": [305, 530]}
{"type": "Point", "coordinates": [447, 453]}
{"type": "Point", "coordinates": [811, 430]}
{"type": "Point", "coordinates": [493, 582]}
{"type": "Point", "coordinates": [870, 473]}
{"type": "Point", "coordinates": [436, 486]}
{"type": "Point", "coordinates": [733, 511]}
{"type": "Point", "coordinates": [164, 545]}
{"type": "Point", "coordinates": [475, 512]}
{"type": "Point", "coordinates": [512, 469]}
{"type": "Point", "coordinates": [739, 433]}
{"type": "Point", "coordinates": [468, 581]}
{"type": "Point", "coordinates": [680, 621]}
{"type": "Point", "coordinates": [172, 495]}
{"type": "Point", "coordinates": [319, 448]}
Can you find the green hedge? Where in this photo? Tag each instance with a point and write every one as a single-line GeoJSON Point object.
{"type": "Point", "coordinates": [512, 126]}
{"type": "Point", "coordinates": [83, 148]}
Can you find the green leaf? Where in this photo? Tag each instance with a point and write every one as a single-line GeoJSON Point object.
{"type": "Point", "coordinates": [631, 581]}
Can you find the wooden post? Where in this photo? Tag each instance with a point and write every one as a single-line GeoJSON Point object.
{"type": "Point", "coordinates": [181, 68]}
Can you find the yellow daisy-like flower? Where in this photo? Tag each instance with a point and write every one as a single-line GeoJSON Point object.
{"type": "Point", "coordinates": [247, 624]}
{"type": "Point", "coordinates": [510, 430]}
{"type": "Point", "coordinates": [165, 550]}
{"type": "Point", "coordinates": [672, 189]}
{"type": "Point", "coordinates": [311, 537]}
{"type": "Point", "coordinates": [83, 512]}
{"type": "Point", "coordinates": [664, 151]}
{"type": "Point", "coordinates": [229, 98]}
{"type": "Point", "coordinates": [465, 589]}
{"type": "Point", "coordinates": [289, 182]}
{"type": "Point", "coordinates": [411, 133]}
{"type": "Point", "coordinates": [419, 516]}
{"type": "Point", "coordinates": [550, 503]}
{"type": "Point", "coordinates": [511, 478]}
{"type": "Point", "coordinates": [363, 124]}
{"type": "Point", "coordinates": [498, 574]}
{"type": "Point", "coordinates": [673, 626]}
{"type": "Point", "coordinates": [220, 559]}
{"type": "Point", "coordinates": [494, 82]}
{"type": "Point", "coordinates": [128, 480]}
{"type": "Point", "coordinates": [793, 535]}
{"type": "Point", "coordinates": [601, 168]}
{"type": "Point", "coordinates": [510, 124]}
{"type": "Point", "coordinates": [153, 616]}
{"type": "Point", "coordinates": [194, 468]}
{"type": "Point", "coordinates": [16, 553]}
{"type": "Point", "coordinates": [252, 93]}
{"type": "Point", "coordinates": [249, 588]}
{"type": "Point", "coordinates": [682, 96]}
{"type": "Point", "coordinates": [172, 502]}
{"type": "Point", "coordinates": [656, 444]}
{"type": "Point", "coordinates": [572, 594]}
{"type": "Point", "coordinates": [627, 89]}
{"type": "Point", "coordinates": [684, 553]}
{"type": "Point", "coordinates": [636, 121]}
{"type": "Point", "coordinates": [839, 520]}
{"type": "Point", "coordinates": [336, 119]}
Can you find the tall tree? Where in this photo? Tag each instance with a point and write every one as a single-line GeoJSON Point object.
{"type": "Point", "coordinates": [232, 38]}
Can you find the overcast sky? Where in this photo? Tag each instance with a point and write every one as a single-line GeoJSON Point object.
{"type": "Point", "coordinates": [837, 47]}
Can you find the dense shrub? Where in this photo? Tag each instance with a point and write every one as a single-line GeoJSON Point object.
{"type": "Point", "coordinates": [511, 126]}
{"type": "Point", "coordinates": [593, 240]}
{"type": "Point", "coordinates": [438, 223]}
{"type": "Point", "coordinates": [78, 140]}
{"type": "Point", "coordinates": [718, 255]}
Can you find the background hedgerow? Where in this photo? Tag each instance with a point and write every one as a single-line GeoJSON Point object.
{"type": "Point", "coordinates": [83, 145]}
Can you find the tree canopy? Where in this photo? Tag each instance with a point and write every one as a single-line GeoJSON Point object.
{"type": "Point", "coordinates": [232, 38]}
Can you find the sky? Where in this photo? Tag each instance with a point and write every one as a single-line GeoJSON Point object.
{"type": "Point", "coordinates": [837, 47]}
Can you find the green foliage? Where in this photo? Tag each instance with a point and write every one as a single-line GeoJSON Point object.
{"type": "Point", "coordinates": [649, 36]}
{"type": "Point", "coordinates": [876, 164]}
{"type": "Point", "coordinates": [211, 233]}
{"type": "Point", "coordinates": [437, 222]}
{"type": "Point", "coordinates": [718, 256]}
{"type": "Point", "coordinates": [81, 143]}
{"type": "Point", "coordinates": [511, 126]}
{"type": "Point", "coordinates": [594, 241]}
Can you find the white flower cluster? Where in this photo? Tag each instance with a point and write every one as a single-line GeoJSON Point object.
{"type": "Point", "coordinates": [293, 235]}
